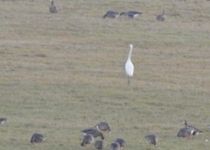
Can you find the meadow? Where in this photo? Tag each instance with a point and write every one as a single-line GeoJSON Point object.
{"type": "Point", "coordinates": [61, 73]}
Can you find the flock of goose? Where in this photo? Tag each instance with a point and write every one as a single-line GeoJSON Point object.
{"type": "Point", "coordinates": [131, 14]}
{"type": "Point", "coordinates": [114, 14]}
{"type": "Point", "coordinates": [90, 136]}
{"type": "Point", "coordinates": [96, 135]}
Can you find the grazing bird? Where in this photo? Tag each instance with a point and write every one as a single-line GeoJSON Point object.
{"type": "Point", "coordinates": [3, 120]}
{"type": "Point", "coordinates": [52, 7]}
{"type": "Point", "coordinates": [121, 142]}
{"type": "Point", "coordinates": [161, 17]}
{"type": "Point", "coordinates": [87, 139]}
{"type": "Point", "coordinates": [188, 131]}
{"type": "Point", "coordinates": [185, 133]}
{"type": "Point", "coordinates": [99, 145]}
{"type": "Point", "coordinates": [151, 139]}
{"type": "Point", "coordinates": [115, 146]}
{"type": "Point", "coordinates": [103, 127]}
{"type": "Point", "coordinates": [194, 130]}
{"type": "Point", "coordinates": [111, 14]}
{"type": "Point", "coordinates": [131, 14]}
{"type": "Point", "coordinates": [92, 131]}
{"type": "Point", "coordinates": [37, 138]}
{"type": "Point", "coordinates": [129, 67]}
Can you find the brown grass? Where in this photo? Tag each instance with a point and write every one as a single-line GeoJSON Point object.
{"type": "Point", "coordinates": [63, 72]}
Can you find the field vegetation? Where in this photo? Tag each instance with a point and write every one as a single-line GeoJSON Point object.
{"type": "Point", "coordinates": [61, 73]}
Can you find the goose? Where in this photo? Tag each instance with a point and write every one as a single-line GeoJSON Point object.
{"type": "Point", "coordinates": [151, 139]}
{"type": "Point", "coordinates": [52, 7]}
{"type": "Point", "coordinates": [103, 127]}
{"type": "Point", "coordinates": [115, 146]}
{"type": "Point", "coordinates": [121, 142]}
{"type": "Point", "coordinates": [87, 139]}
{"type": "Point", "coordinates": [111, 14]}
{"type": "Point", "coordinates": [3, 120]}
{"type": "Point", "coordinates": [131, 14]}
{"type": "Point", "coordinates": [194, 130]}
{"type": "Point", "coordinates": [92, 131]}
{"type": "Point", "coordinates": [161, 17]}
{"type": "Point", "coordinates": [99, 145]}
{"type": "Point", "coordinates": [185, 133]}
{"type": "Point", "coordinates": [37, 138]}
{"type": "Point", "coordinates": [129, 67]}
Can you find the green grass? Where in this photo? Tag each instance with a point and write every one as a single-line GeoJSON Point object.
{"type": "Point", "coordinates": [61, 73]}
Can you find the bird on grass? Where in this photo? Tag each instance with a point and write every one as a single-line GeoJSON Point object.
{"type": "Point", "coordinates": [121, 142]}
{"type": "Point", "coordinates": [3, 120]}
{"type": "Point", "coordinates": [151, 139]}
{"type": "Point", "coordinates": [99, 145]}
{"type": "Point", "coordinates": [129, 67]}
{"type": "Point", "coordinates": [87, 139]}
{"type": "Point", "coordinates": [131, 14]}
{"type": "Point", "coordinates": [111, 14]}
{"type": "Point", "coordinates": [103, 127]}
{"type": "Point", "coordinates": [37, 138]}
{"type": "Point", "coordinates": [52, 7]}
{"type": "Point", "coordinates": [161, 17]}
{"type": "Point", "coordinates": [115, 146]}
{"type": "Point", "coordinates": [185, 133]}
{"type": "Point", "coordinates": [188, 131]}
{"type": "Point", "coordinates": [94, 132]}
{"type": "Point", "coordinates": [194, 130]}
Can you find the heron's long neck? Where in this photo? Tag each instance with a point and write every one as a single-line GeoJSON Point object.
{"type": "Point", "coordinates": [130, 53]}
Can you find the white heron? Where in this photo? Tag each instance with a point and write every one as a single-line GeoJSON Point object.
{"type": "Point", "coordinates": [129, 67]}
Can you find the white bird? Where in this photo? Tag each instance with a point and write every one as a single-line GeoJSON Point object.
{"type": "Point", "coordinates": [129, 67]}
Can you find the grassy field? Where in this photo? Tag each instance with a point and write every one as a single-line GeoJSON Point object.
{"type": "Point", "coordinates": [61, 73]}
